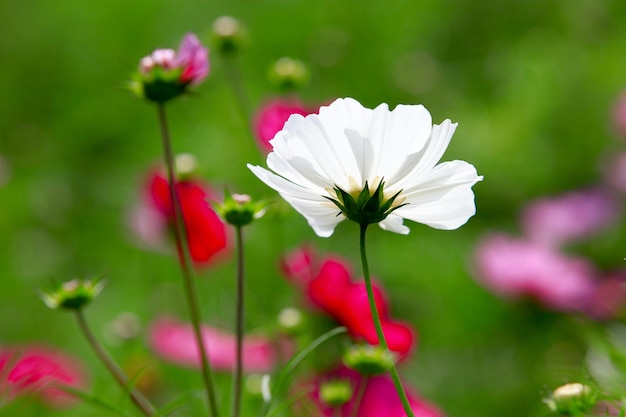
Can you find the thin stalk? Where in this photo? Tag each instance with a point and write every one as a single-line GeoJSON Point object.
{"type": "Point", "coordinates": [186, 266]}
{"type": "Point", "coordinates": [238, 371]}
{"type": "Point", "coordinates": [135, 395]}
{"type": "Point", "coordinates": [377, 324]}
{"type": "Point", "coordinates": [358, 398]}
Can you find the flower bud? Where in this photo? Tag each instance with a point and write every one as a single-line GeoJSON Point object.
{"type": "Point", "coordinates": [240, 210]}
{"type": "Point", "coordinates": [290, 320]}
{"type": "Point", "coordinates": [72, 295]}
{"type": "Point", "coordinates": [166, 74]}
{"type": "Point", "coordinates": [186, 166]}
{"type": "Point", "coordinates": [336, 392]}
{"type": "Point", "coordinates": [572, 399]}
{"type": "Point", "coordinates": [368, 360]}
{"type": "Point", "coordinates": [229, 35]}
{"type": "Point", "coordinates": [289, 74]}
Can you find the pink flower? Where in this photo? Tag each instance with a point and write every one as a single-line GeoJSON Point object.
{"type": "Point", "coordinates": [609, 297]}
{"type": "Point", "coordinates": [271, 118]}
{"type": "Point", "coordinates": [207, 235]}
{"type": "Point", "coordinates": [175, 342]}
{"type": "Point", "coordinates": [380, 398]}
{"type": "Point", "coordinates": [619, 115]}
{"type": "Point", "coordinates": [330, 288]}
{"type": "Point", "coordinates": [516, 268]}
{"type": "Point", "coordinates": [39, 370]}
{"type": "Point", "coordinates": [191, 60]}
{"type": "Point", "coordinates": [569, 217]}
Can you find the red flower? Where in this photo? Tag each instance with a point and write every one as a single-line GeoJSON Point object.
{"type": "Point", "coordinates": [38, 370]}
{"type": "Point", "coordinates": [379, 399]}
{"type": "Point", "coordinates": [330, 287]}
{"type": "Point", "coordinates": [206, 233]}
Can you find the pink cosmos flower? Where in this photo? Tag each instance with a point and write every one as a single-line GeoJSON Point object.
{"type": "Point", "coordinates": [329, 287]}
{"type": "Point", "coordinates": [380, 398]}
{"type": "Point", "coordinates": [569, 217]}
{"type": "Point", "coordinates": [39, 370]}
{"type": "Point", "coordinates": [206, 233]}
{"type": "Point", "coordinates": [516, 268]}
{"type": "Point", "coordinates": [175, 342]}
{"type": "Point", "coordinates": [619, 115]}
{"type": "Point", "coordinates": [192, 59]}
{"type": "Point", "coordinates": [271, 118]}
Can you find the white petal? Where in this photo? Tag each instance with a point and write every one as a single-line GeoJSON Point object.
{"type": "Point", "coordinates": [320, 213]}
{"type": "Point", "coordinates": [394, 223]}
{"type": "Point", "coordinates": [444, 199]}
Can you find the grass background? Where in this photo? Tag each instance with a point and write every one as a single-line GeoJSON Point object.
{"type": "Point", "coordinates": [531, 84]}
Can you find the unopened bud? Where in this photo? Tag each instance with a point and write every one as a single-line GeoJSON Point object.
{"type": "Point", "coordinates": [335, 392]}
{"type": "Point", "coordinates": [240, 210]}
{"type": "Point", "coordinates": [572, 399]}
{"type": "Point", "coordinates": [368, 360]}
{"type": "Point", "coordinates": [229, 34]}
{"type": "Point", "coordinates": [289, 74]}
{"type": "Point", "coordinates": [186, 165]}
{"type": "Point", "coordinates": [72, 295]}
{"type": "Point", "coordinates": [290, 320]}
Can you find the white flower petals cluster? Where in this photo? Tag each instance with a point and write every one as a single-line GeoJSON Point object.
{"type": "Point", "coordinates": [347, 145]}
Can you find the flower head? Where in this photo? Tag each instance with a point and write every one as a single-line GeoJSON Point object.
{"type": "Point", "coordinates": [376, 157]}
{"type": "Point", "coordinates": [73, 295]}
{"type": "Point", "coordinates": [166, 74]}
{"type": "Point", "coordinates": [175, 341]}
{"type": "Point", "coordinates": [39, 370]}
{"type": "Point", "coordinates": [271, 118]}
{"type": "Point", "coordinates": [240, 210]}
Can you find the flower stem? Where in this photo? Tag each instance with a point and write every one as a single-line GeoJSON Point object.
{"type": "Point", "coordinates": [186, 266]}
{"type": "Point", "coordinates": [358, 398]}
{"type": "Point", "coordinates": [377, 324]}
{"type": "Point", "coordinates": [136, 396]}
{"type": "Point", "coordinates": [237, 373]}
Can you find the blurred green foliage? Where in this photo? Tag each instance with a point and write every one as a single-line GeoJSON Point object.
{"type": "Point", "coordinates": [530, 82]}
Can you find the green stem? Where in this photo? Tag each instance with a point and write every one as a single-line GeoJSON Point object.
{"type": "Point", "coordinates": [186, 265]}
{"type": "Point", "coordinates": [358, 398]}
{"type": "Point", "coordinates": [136, 396]}
{"type": "Point", "coordinates": [238, 371]}
{"type": "Point", "coordinates": [377, 324]}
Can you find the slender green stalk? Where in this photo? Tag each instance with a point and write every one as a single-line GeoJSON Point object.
{"type": "Point", "coordinates": [358, 398]}
{"type": "Point", "coordinates": [135, 395]}
{"type": "Point", "coordinates": [189, 283]}
{"type": "Point", "coordinates": [377, 324]}
{"type": "Point", "coordinates": [237, 373]}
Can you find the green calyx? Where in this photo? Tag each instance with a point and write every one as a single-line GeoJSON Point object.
{"type": "Point", "coordinates": [335, 392]}
{"type": "Point", "coordinates": [367, 207]}
{"type": "Point", "coordinates": [239, 209]}
{"type": "Point", "coordinates": [72, 295]}
{"type": "Point", "coordinates": [368, 360]}
{"type": "Point", "coordinates": [159, 85]}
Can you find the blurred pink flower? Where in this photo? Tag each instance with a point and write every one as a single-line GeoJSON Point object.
{"type": "Point", "coordinates": [615, 172]}
{"type": "Point", "coordinates": [39, 370]}
{"type": "Point", "coordinates": [329, 287]}
{"type": "Point", "coordinates": [619, 115]}
{"type": "Point", "coordinates": [609, 297]}
{"type": "Point", "coordinates": [379, 400]}
{"type": "Point", "coordinates": [271, 118]}
{"type": "Point", "coordinates": [192, 60]}
{"type": "Point", "coordinates": [516, 268]}
{"type": "Point", "coordinates": [175, 342]}
{"type": "Point", "coordinates": [569, 217]}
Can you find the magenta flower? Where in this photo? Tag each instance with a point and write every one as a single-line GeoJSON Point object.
{"type": "Point", "coordinates": [271, 118]}
{"type": "Point", "coordinates": [27, 370]}
{"type": "Point", "coordinates": [329, 287]}
{"type": "Point", "coordinates": [380, 398]}
{"type": "Point", "coordinates": [569, 217]}
{"type": "Point", "coordinates": [175, 342]}
{"type": "Point", "coordinates": [517, 268]}
{"type": "Point", "coordinates": [165, 73]}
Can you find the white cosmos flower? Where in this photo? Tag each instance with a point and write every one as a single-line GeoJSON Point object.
{"type": "Point", "coordinates": [347, 145]}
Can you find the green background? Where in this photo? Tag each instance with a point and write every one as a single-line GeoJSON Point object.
{"type": "Point", "coordinates": [531, 84]}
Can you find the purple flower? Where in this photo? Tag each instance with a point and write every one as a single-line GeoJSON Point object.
{"type": "Point", "coordinates": [518, 268]}
{"type": "Point", "coordinates": [568, 217]}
